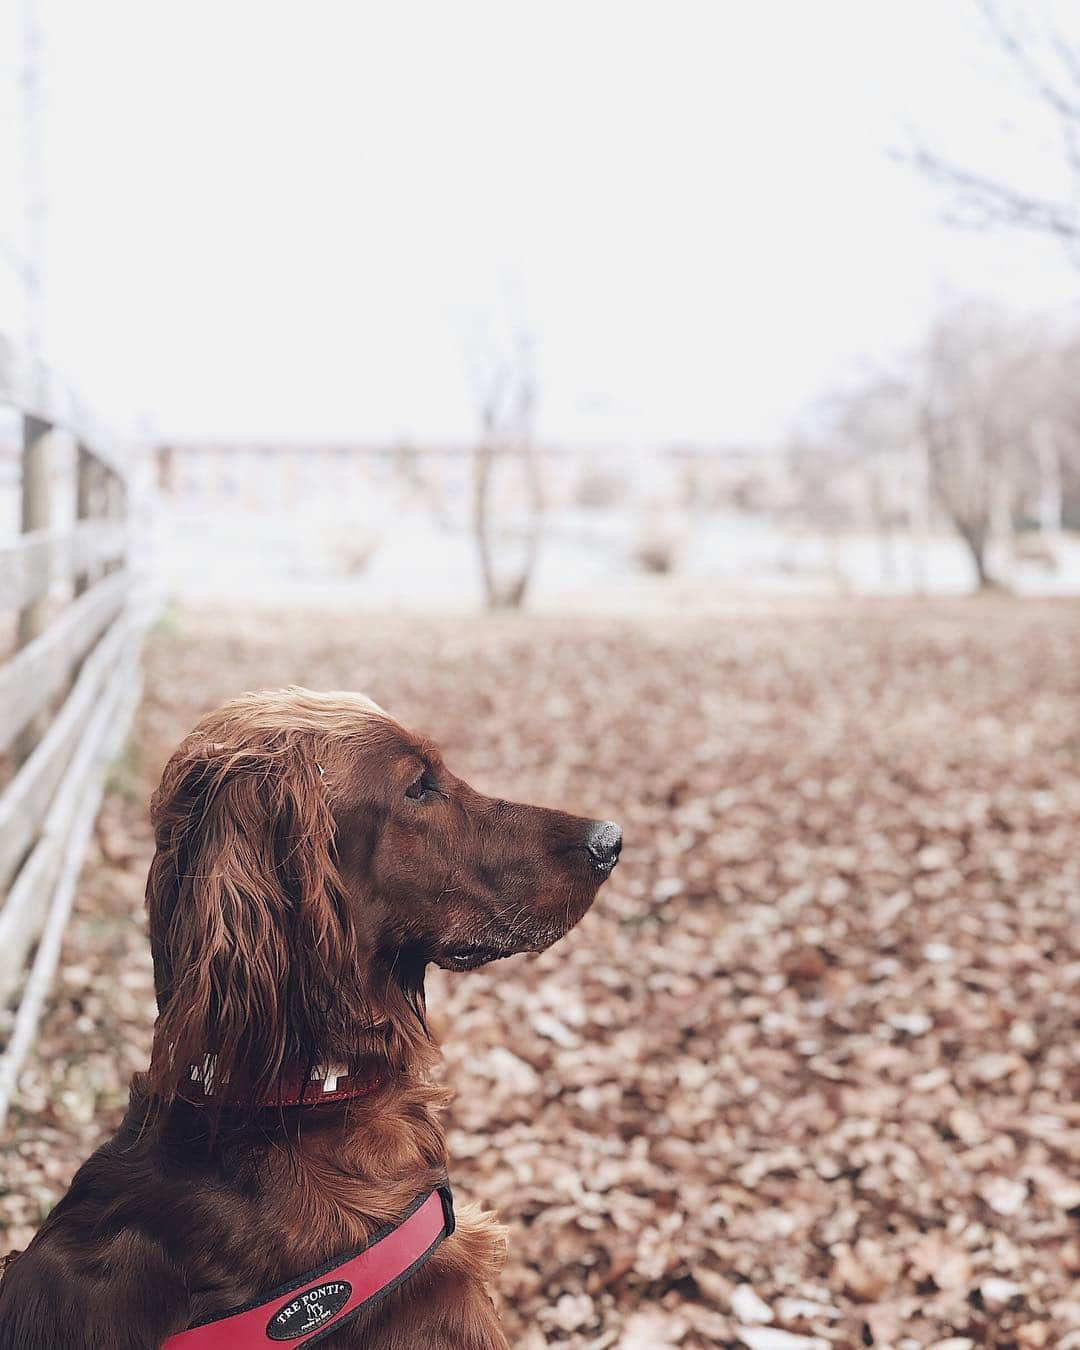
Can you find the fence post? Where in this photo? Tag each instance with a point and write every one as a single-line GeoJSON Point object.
{"type": "Point", "coordinates": [36, 515]}
{"type": "Point", "coordinates": [113, 510]}
{"type": "Point", "coordinates": [86, 477]}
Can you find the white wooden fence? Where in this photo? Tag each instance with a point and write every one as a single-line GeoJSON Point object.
{"type": "Point", "coordinates": [68, 685]}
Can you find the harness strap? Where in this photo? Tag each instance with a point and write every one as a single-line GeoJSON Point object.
{"type": "Point", "coordinates": [310, 1307]}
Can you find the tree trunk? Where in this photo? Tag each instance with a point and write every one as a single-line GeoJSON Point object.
{"type": "Point", "coordinates": [1051, 493]}
{"type": "Point", "coordinates": [976, 540]}
{"type": "Point", "coordinates": [482, 521]}
{"type": "Point", "coordinates": [506, 438]}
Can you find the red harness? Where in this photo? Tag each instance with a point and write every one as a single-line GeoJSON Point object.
{"type": "Point", "coordinates": [308, 1308]}
{"type": "Point", "coordinates": [316, 1303]}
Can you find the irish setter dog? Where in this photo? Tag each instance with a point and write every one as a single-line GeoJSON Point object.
{"type": "Point", "coordinates": [313, 856]}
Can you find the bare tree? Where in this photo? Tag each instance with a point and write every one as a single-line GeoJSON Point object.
{"type": "Point", "coordinates": [1049, 437]}
{"type": "Point", "coordinates": [876, 426]}
{"type": "Point", "coordinates": [1048, 62]}
{"type": "Point", "coordinates": [982, 429]}
{"type": "Point", "coordinates": [993, 406]}
{"type": "Point", "coordinates": [508, 504]}
{"type": "Point", "coordinates": [969, 460]}
{"type": "Point", "coordinates": [1067, 433]}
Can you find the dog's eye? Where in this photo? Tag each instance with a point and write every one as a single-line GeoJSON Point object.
{"type": "Point", "coordinates": [417, 791]}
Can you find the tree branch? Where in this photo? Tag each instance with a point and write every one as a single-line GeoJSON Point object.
{"type": "Point", "coordinates": [1000, 203]}
{"type": "Point", "coordinates": [1007, 38]}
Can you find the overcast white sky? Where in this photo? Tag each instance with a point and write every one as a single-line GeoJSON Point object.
{"type": "Point", "coordinates": [276, 219]}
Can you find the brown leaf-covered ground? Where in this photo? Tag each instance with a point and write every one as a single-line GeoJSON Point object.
{"type": "Point", "coordinates": [808, 1074]}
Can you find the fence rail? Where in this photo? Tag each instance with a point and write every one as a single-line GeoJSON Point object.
{"type": "Point", "coordinates": [68, 688]}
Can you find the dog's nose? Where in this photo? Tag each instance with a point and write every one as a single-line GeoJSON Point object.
{"type": "Point", "coordinates": [604, 844]}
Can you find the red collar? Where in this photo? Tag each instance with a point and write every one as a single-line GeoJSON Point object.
{"type": "Point", "coordinates": [334, 1085]}
{"type": "Point", "coordinates": [307, 1308]}
{"type": "Point", "coordinates": [293, 1089]}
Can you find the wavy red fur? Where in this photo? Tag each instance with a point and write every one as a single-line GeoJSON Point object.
{"type": "Point", "coordinates": [312, 858]}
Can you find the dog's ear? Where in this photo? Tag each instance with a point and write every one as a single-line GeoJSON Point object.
{"type": "Point", "coordinates": [255, 954]}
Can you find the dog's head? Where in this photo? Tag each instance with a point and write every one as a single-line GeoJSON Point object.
{"type": "Point", "coordinates": [313, 856]}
